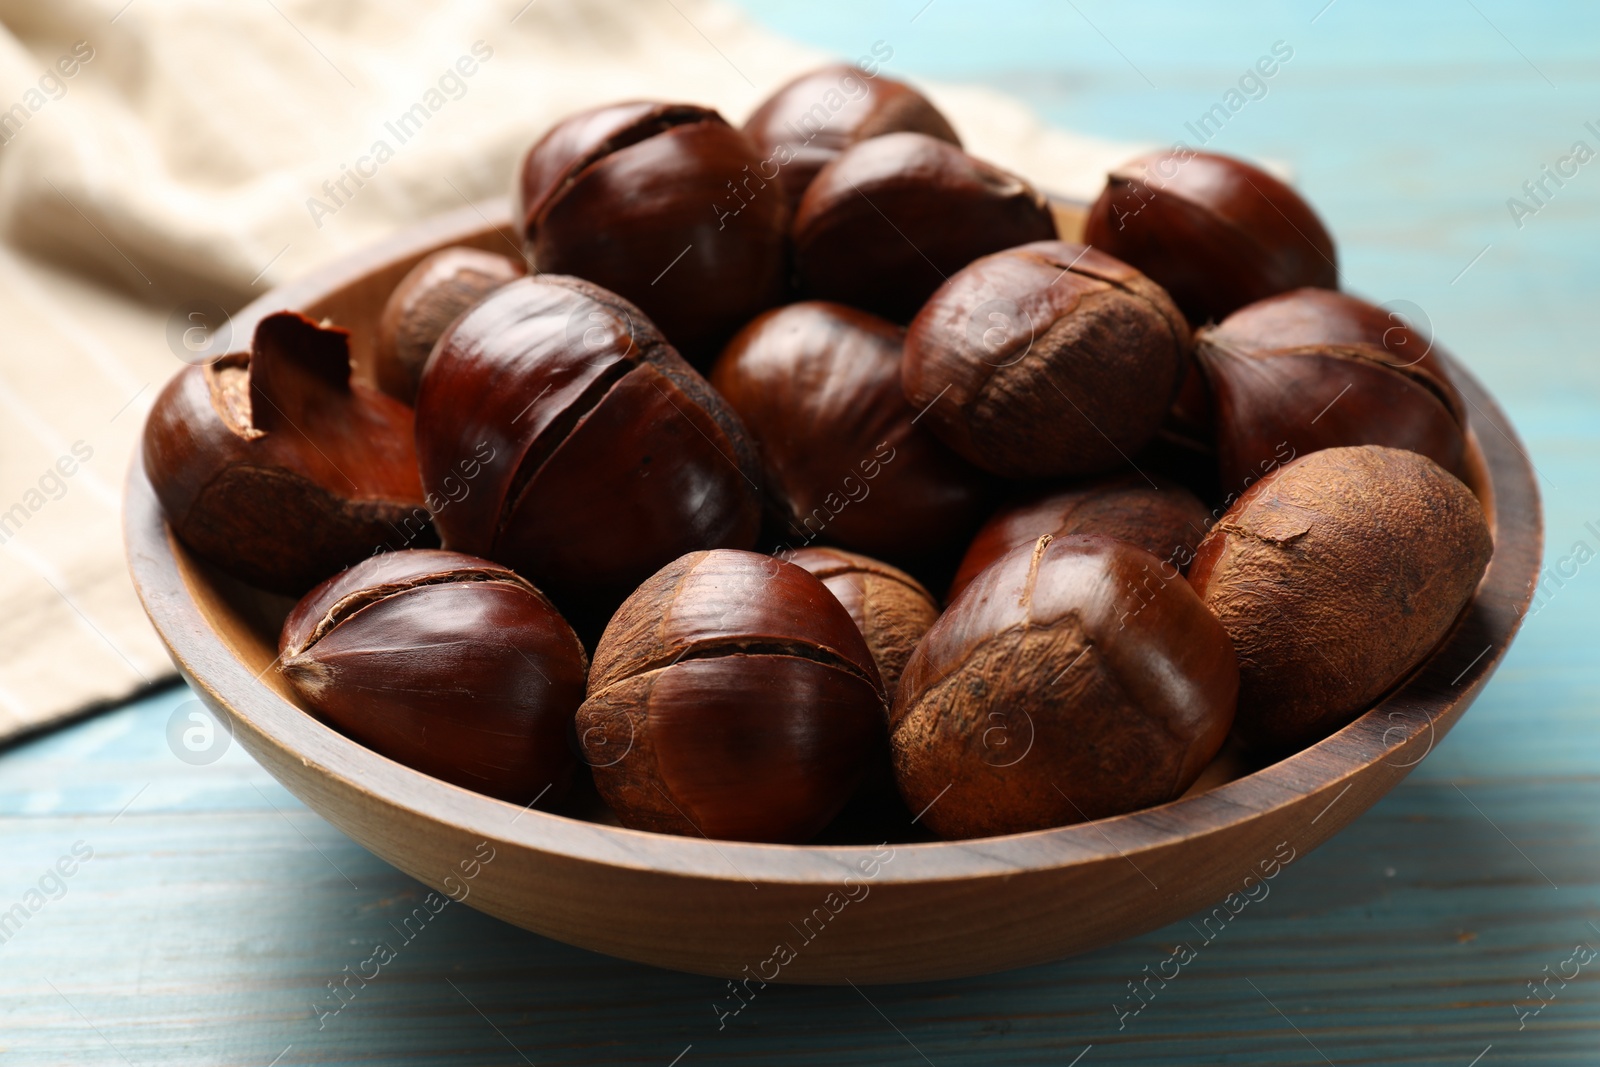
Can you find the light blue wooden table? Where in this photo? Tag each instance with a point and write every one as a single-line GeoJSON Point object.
{"type": "Point", "coordinates": [215, 909]}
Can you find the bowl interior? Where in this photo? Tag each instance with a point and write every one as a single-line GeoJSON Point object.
{"type": "Point", "coordinates": [352, 293]}
{"type": "Point", "coordinates": [946, 908]}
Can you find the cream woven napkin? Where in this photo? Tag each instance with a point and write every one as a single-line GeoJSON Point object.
{"type": "Point", "coordinates": [157, 152]}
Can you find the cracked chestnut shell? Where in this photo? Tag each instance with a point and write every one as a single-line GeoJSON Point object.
{"type": "Point", "coordinates": [568, 440]}
{"type": "Point", "coordinates": [1215, 232]}
{"type": "Point", "coordinates": [1272, 406]}
{"type": "Point", "coordinates": [1328, 317]}
{"type": "Point", "coordinates": [890, 608]}
{"type": "Point", "coordinates": [818, 386]}
{"type": "Point", "coordinates": [1048, 360]}
{"type": "Point", "coordinates": [1335, 576]}
{"type": "Point", "coordinates": [449, 664]}
{"type": "Point", "coordinates": [1068, 682]}
{"type": "Point", "coordinates": [1158, 516]}
{"type": "Point", "coordinates": [427, 300]}
{"type": "Point", "coordinates": [805, 124]}
{"type": "Point", "coordinates": [892, 217]}
{"type": "Point", "coordinates": [732, 697]}
{"type": "Point", "coordinates": [664, 204]}
{"type": "Point", "coordinates": [276, 467]}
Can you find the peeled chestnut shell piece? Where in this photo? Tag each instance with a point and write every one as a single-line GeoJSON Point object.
{"type": "Point", "coordinates": [1048, 360]}
{"type": "Point", "coordinates": [665, 205]}
{"type": "Point", "coordinates": [805, 124]}
{"type": "Point", "coordinates": [1334, 577]}
{"type": "Point", "coordinates": [818, 386]}
{"type": "Point", "coordinates": [892, 217]}
{"type": "Point", "coordinates": [428, 299]}
{"type": "Point", "coordinates": [1215, 232]}
{"type": "Point", "coordinates": [890, 608]}
{"type": "Point", "coordinates": [569, 441]}
{"type": "Point", "coordinates": [449, 664]}
{"type": "Point", "coordinates": [1066, 683]}
{"type": "Point", "coordinates": [276, 467]}
{"type": "Point", "coordinates": [1164, 519]}
{"type": "Point", "coordinates": [731, 697]}
{"type": "Point", "coordinates": [1327, 317]}
{"type": "Point", "coordinates": [1273, 406]}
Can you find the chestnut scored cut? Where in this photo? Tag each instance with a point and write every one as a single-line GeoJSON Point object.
{"type": "Point", "coordinates": [892, 217]}
{"type": "Point", "coordinates": [731, 696]}
{"type": "Point", "coordinates": [806, 123]}
{"type": "Point", "coordinates": [1334, 577]}
{"type": "Point", "coordinates": [661, 204]}
{"type": "Point", "coordinates": [427, 300]}
{"type": "Point", "coordinates": [449, 664]}
{"type": "Point", "coordinates": [1328, 317]}
{"type": "Point", "coordinates": [276, 467]}
{"type": "Point", "coordinates": [608, 455]}
{"type": "Point", "coordinates": [1295, 401]}
{"type": "Point", "coordinates": [1063, 685]}
{"type": "Point", "coordinates": [1160, 517]}
{"type": "Point", "coordinates": [890, 608]}
{"type": "Point", "coordinates": [1214, 231]}
{"type": "Point", "coordinates": [818, 387]}
{"type": "Point", "coordinates": [1048, 360]}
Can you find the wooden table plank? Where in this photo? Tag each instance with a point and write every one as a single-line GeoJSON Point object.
{"type": "Point", "coordinates": [216, 909]}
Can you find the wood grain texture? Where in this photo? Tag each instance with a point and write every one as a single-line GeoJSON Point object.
{"type": "Point", "coordinates": [937, 910]}
{"type": "Point", "coordinates": [216, 909]}
{"type": "Point", "coordinates": [207, 923]}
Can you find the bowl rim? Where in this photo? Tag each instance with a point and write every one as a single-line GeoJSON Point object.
{"type": "Point", "coordinates": [1450, 678]}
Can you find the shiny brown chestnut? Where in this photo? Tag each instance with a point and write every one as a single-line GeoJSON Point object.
{"type": "Point", "coordinates": [1048, 360]}
{"type": "Point", "coordinates": [428, 299]}
{"type": "Point", "coordinates": [1068, 682]}
{"type": "Point", "coordinates": [274, 466]}
{"type": "Point", "coordinates": [890, 608]}
{"type": "Point", "coordinates": [732, 696]}
{"type": "Point", "coordinates": [1215, 232]}
{"type": "Point", "coordinates": [664, 205]}
{"type": "Point", "coordinates": [1164, 519]}
{"type": "Point", "coordinates": [806, 123]}
{"type": "Point", "coordinates": [1334, 577]}
{"type": "Point", "coordinates": [449, 664]}
{"type": "Point", "coordinates": [574, 444]}
{"type": "Point", "coordinates": [1272, 406]}
{"type": "Point", "coordinates": [1328, 317]}
{"type": "Point", "coordinates": [818, 387]}
{"type": "Point", "coordinates": [888, 220]}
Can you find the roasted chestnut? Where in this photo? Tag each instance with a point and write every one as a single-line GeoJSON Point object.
{"type": "Point", "coordinates": [449, 664]}
{"type": "Point", "coordinates": [1272, 406]}
{"type": "Point", "coordinates": [1164, 519]}
{"type": "Point", "coordinates": [732, 696]}
{"type": "Point", "coordinates": [1215, 232]}
{"type": "Point", "coordinates": [803, 125]}
{"type": "Point", "coordinates": [1334, 577]}
{"type": "Point", "coordinates": [1069, 681]}
{"type": "Point", "coordinates": [818, 386]}
{"type": "Point", "coordinates": [892, 217]}
{"type": "Point", "coordinates": [276, 467]}
{"type": "Point", "coordinates": [1328, 317]}
{"type": "Point", "coordinates": [428, 299]}
{"type": "Point", "coordinates": [571, 442]}
{"type": "Point", "coordinates": [891, 608]}
{"type": "Point", "coordinates": [663, 204]}
{"type": "Point", "coordinates": [1049, 360]}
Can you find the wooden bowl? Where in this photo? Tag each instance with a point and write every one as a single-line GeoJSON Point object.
{"type": "Point", "coordinates": [818, 913]}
